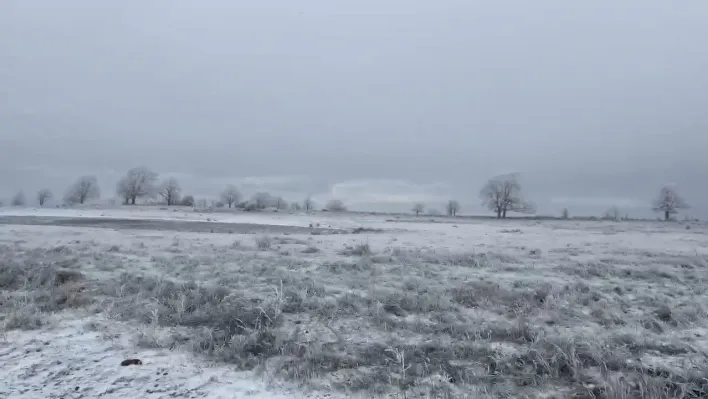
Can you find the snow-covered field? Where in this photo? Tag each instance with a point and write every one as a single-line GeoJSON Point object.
{"type": "Point", "coordinates": [396, 306]}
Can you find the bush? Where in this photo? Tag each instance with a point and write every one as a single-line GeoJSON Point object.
{"type": "Point", "coordinates": [336, 206]}
{"type": "Point", "coordinates": [188, 200]}
{"type": "Point", "coordinates": [264, 242]}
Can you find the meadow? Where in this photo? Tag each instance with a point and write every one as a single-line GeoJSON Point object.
{"type": "Point", "coordinates": [227, 305]}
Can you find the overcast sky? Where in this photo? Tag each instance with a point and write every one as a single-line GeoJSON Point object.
{"type": "Point", "coordinates": [377, 102]}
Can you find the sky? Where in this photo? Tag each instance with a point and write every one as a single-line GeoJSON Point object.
{"type": "Point", "coordinates": [378, 103]}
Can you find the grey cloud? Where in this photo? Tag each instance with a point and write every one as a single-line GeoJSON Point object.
{"type": "Point", "coordinates": [587, 100]}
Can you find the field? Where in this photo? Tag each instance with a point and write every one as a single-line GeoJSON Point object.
{"type": "Point", "coordinates": [231, 305]}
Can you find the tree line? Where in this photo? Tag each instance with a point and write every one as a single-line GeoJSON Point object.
{"type": "Point", "coordinates": [141, 183]}
{"type": "Point", "coordinates": [501, 195]}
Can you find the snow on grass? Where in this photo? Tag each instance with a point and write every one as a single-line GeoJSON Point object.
{"type": "Point", "coordinates": [80, 356]}
{"type": "Point", "coordinates": [468, 309]}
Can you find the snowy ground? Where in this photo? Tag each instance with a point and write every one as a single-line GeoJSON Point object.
{"type": "Point", "coordinates": [366, 305]}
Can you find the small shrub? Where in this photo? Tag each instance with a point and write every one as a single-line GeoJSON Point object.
{"type": "Point", "coordinates": [360, 230]}
{"type": "Point", "coordinates": [510, 231]}
{"type": "Point", "coordinates": [24, 318]}
{"type": "Point", "coordinates": [362, 249]}
{"type": "Point", "coordinates": [264, 242]}
{"type": "Point", "coordinates": [310, 250]}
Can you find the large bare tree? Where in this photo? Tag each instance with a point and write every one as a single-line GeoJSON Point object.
{"type": "Point", "coordinates": [308, 204]}
{"type": "Point", "coordinates": [43, 195]}
{"type": "Point", "coordinates": [230, 196]}
{"type": "Point", "coordinates": [170, 191]}
{"type": "Point", "coordinates": [137, 183]}
{"type": "Point", "coordinates": [668, 202]}
{"type": "Point", "coordinates": [84, 189]}
{"type": "Point", "coordinates": [418, 208]}
{"type": "Point", "coordinates": [452, 208]}
{"type": "Point", "coordinates": [502, 194]}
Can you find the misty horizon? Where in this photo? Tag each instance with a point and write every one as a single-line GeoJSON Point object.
{"type": "Point", "coordinates": [378, 104]}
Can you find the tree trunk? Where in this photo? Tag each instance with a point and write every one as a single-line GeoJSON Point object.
{"type": "Point", "coordinates": [504, 214]}
{"type": "Point", "coordinates": [499, 213]}
{"type": "Point", "coordinates": [666, 215]}
{"type": "Point", "coordinates": [132, 200]}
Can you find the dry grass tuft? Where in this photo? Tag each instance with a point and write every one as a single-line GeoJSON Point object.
{"type": "Point", "coordinates": [264, 242]}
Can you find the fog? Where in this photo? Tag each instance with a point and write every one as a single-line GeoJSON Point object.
{"type": "Point", "coordinates": [377, 103]}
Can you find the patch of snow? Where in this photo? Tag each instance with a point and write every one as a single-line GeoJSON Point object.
{"type": "Point", "coordinates": [72, 360]}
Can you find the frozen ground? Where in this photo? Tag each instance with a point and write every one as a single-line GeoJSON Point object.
{"type": "Point", "coordinates": [151, 213]}
{"type": "Point", "coordinates": [415, 309]}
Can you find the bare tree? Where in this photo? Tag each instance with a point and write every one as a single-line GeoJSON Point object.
{"type": "Point", "coordinates": [452, 208]}
{"type": "Point", "coordinates": [613, 213]}
{"type": "Point", "coordinates": [19, 199]}
{"type": "Point", "coordinates": [170, 190]}
{"type": "Point", "coordinates": [566, 214]}
{"type": "Point", "coordinates": [137, 183]}
{"type": "Point", "coordinates": [669, 202]}
{"type": "Point", "coordinates": [308, 204]}
{"type": "Point", "coordinates": [43, 195]}
{"type": "Point", "coordinates": [280, 203]}
{"type": "Point", "coordinates": [502, 194]}
{"type": "Point", "coordinates": [84, 189]}
{"type": "Point", "coordinates": [262, 200]}
{"type": "Point", "coordinates": [336, 205]}
{"type": "Point", "coordinates": [295, 206]}
{"type": "Point", "coordinates": [231, 195]}
{"type": "Point", "coordinates": [418, 208]}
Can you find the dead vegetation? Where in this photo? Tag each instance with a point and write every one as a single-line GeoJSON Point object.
{"type": "Point", "coordinates": [32, 287]}
{"type": "Point", "coordinates": [396, 321]}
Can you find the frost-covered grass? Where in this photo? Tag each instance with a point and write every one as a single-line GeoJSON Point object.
{"type": "Point", "coordinates": [471, 309]}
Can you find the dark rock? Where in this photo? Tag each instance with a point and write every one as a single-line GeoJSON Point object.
{"type": "Point", "coordinates": [130, 362]}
